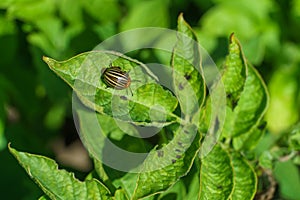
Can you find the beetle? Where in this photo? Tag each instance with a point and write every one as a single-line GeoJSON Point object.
{"type": "Point", "coordinates": [114, 77]}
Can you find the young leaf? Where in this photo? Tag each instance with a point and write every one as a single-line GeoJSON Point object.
{"type": "Point", "coordinates": [187, 70]}
{"type": "Point", "coordinates": [216, 175]}
{"type": "Point", "coordinates": [248, 95]}
{"type": "Point", "coordinates": [163, 167]}
{"type": "Point", "coordinates": [252, 104]}
{"type": "Point", "coordinates": [150, 103]}
{"type": "Point", "coordinates": [59, 184]}
{"type": "Point", "coordinates": [234, 70]}
{"type": "Point", "coordinates": [245, 180]}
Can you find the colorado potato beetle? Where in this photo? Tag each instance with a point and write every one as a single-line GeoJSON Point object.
{"type": "Point", "coordinates": [115, 78]}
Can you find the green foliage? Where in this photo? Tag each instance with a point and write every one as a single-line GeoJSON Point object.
{"type": "Point", "coordinates": [142, 15]}
{"type": "Point", "coordinates": [284, 91]}
{"type": "Point", "coordinates": [186, 62]}
{"type": "Point", "coordinates": [288, 177]}
{"type": "Point", "coordinates": [251, 20]}
{"type": "Point", "coordinates": [248, 98]}
{"type": "Point", "coordinates": [216, 174]}
{"type": "Point", "coordinates": [221, 176]}
{"type": "Point", "coordinates": [46, 174]}
{"type": "Point", "coordinates": [83, 77]}
{"type": "Point", "coordinates": [259, 139]}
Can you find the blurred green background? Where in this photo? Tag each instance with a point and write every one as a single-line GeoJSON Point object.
{"type": "Point", "coordinates": [35, 105]}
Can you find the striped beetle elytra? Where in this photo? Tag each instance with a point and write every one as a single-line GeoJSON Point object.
{"type": "Point", "coordinates": [115, 78]}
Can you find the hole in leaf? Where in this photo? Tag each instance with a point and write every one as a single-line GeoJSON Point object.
{"type": "Point", "coordinates": [160, 153]}
{"type": "Point", "coordinates": [123, 97]}
{"type": "Point", "coordinates": [180, 86]}
{"type": "Point", "coordinates": [187, 76]}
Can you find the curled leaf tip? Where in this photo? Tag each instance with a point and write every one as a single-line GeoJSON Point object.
{"type": "Point", "coordinates": [45, 58]}
{"type": "Point", "coordinates": [48, 61]}
{"type": "Point", "coordinates": [11, 150]}
{"type": "Point", "coordinates": [231, 38]}
{"type": "Point", "coordinates": [180, 16]}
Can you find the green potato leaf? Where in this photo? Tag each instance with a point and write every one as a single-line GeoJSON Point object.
{"type": "Point", "coordinates": [234, 70]}
{"type": "Point", "coordinates": [252, 104]}
{"type": "Point", "coordinates": [216, 175]}
{"type": "Point", "coordinates": [246, 92]}
{"type": "Point", "coordinates": [163, 167]}
{"type": "Point", "coordinates": [245, 180]}
{"type": "Point", "coordinates": [154, 172]}
{"type": "Point", "coordinates": [144, 102]}
{"type": "Point", "coordinates": [188, 81]}
{"type": "Point", "coordinates": [56, 183]}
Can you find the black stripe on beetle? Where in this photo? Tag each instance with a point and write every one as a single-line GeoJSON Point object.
{"type": "Point", "coordinates": [115, 78]}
